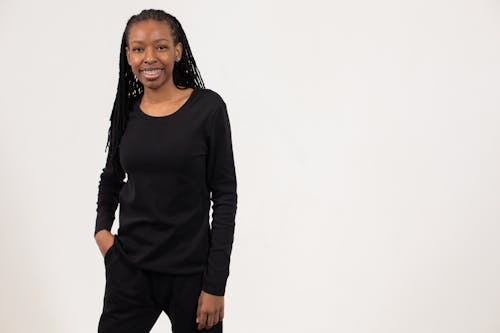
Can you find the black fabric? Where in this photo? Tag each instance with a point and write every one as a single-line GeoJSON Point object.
{"type": "Point", "coordinates": [134, 298]}
{"type": "Point", "coordinates": [175, 166]}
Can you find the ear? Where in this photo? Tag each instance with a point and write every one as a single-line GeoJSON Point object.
{"type": "Point", "coordinates": [127, 52]}
{"type": "Point", "coordinates": [178, 50]}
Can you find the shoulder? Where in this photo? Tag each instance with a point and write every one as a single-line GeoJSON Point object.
{"type": "Point", "coordinates": [212, 98]}
{"type": "Point", "coordinates": [214, 109]}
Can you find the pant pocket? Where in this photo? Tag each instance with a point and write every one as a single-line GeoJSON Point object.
{"type": "Point", "coordinates": [109, 253]}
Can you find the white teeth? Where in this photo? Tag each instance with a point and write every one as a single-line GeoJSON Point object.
{"type": "Point", "coordinates": [155, 71]}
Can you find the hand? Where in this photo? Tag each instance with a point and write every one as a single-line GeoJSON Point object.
{"type": "Point", "coordinates": [105, 240]}
{"type": "Point", "coordinates": [210, 310]}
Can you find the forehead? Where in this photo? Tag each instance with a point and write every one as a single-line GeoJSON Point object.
{"type": "Point", "coordinates": [149, 30]}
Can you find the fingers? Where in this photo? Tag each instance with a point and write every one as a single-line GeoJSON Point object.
{"type": "Point", "coordinates": [216, 318]}
{"type": "Point", "coordinates": [201, 319]}
{"type": "Point", "coordinates": [208, 319]}
{"type": "Point", "coordinates": [210, 311]}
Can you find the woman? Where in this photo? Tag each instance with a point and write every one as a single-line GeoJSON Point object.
{"type": "Point", "coordinates": [172, 138]}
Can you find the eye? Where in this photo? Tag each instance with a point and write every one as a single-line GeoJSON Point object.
{"type": "Point", "coordinates": [136, 48]}
{"type": "Point", "coordinates": [164, 46]}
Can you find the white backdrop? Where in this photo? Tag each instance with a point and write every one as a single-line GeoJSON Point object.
{"type": "Point", "coordinates": [366, 144]}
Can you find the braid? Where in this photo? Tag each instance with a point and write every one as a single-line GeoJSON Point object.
{"type": "Point", "coordinates": [185, 74]}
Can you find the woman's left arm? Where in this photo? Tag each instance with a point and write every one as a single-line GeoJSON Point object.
{"type": "Point", "coordinates": [221, 181]}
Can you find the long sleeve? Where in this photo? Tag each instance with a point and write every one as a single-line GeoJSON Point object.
{"type": "Point", "coordinates": [221, 182]}
{"type": "Point", "coordinates": [110, 184]}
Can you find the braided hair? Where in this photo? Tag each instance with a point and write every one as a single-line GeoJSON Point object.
{"type": "Point", "coordinates": [185, 75]}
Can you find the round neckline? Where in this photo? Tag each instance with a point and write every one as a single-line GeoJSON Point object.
{"type": "Point", "coordinates": [182, 107]}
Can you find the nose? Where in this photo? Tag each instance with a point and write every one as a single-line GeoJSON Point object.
{"type": "Point", "coordinates": [149, 55]}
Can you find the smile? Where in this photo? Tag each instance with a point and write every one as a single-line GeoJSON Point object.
{"type": "Point", "coordinates": [151, 73]}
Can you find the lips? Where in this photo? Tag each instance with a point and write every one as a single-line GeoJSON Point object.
{"type": "Point", "coordinates": [151, 73]}
{"type": "Point", "coordinates": [149, 69]}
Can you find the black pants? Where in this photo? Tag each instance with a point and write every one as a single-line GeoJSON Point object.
{"type": "Point", "coordinates": [134, 299]}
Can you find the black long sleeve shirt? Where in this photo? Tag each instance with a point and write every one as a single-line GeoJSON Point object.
{"type": "Point", "coordinates": [173, 164]}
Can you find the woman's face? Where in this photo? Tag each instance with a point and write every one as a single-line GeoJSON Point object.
{"type": "Point", "coordinates": [151, 52]}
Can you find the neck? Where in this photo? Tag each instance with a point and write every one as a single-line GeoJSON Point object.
{"type": "Point", "coordinates": [167, 92]}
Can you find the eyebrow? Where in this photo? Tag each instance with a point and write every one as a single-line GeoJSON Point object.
{"type": "Point", "coordinates": [156, 40]}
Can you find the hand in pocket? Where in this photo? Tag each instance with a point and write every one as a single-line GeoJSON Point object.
{"type": "Point", "coordinates": [105, 242]}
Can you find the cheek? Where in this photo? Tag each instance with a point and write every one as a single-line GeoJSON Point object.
{"type": "Point", "coordinates": [135, 67]}
{"type": "Point", "coordinates": [167, 58]}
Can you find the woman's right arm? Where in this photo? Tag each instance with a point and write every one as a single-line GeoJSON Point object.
{"type": "Point", "coordinates": [110, 185]}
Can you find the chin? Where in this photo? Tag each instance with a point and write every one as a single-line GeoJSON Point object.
{"type": "Point", "coordinates": [152, 85]}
